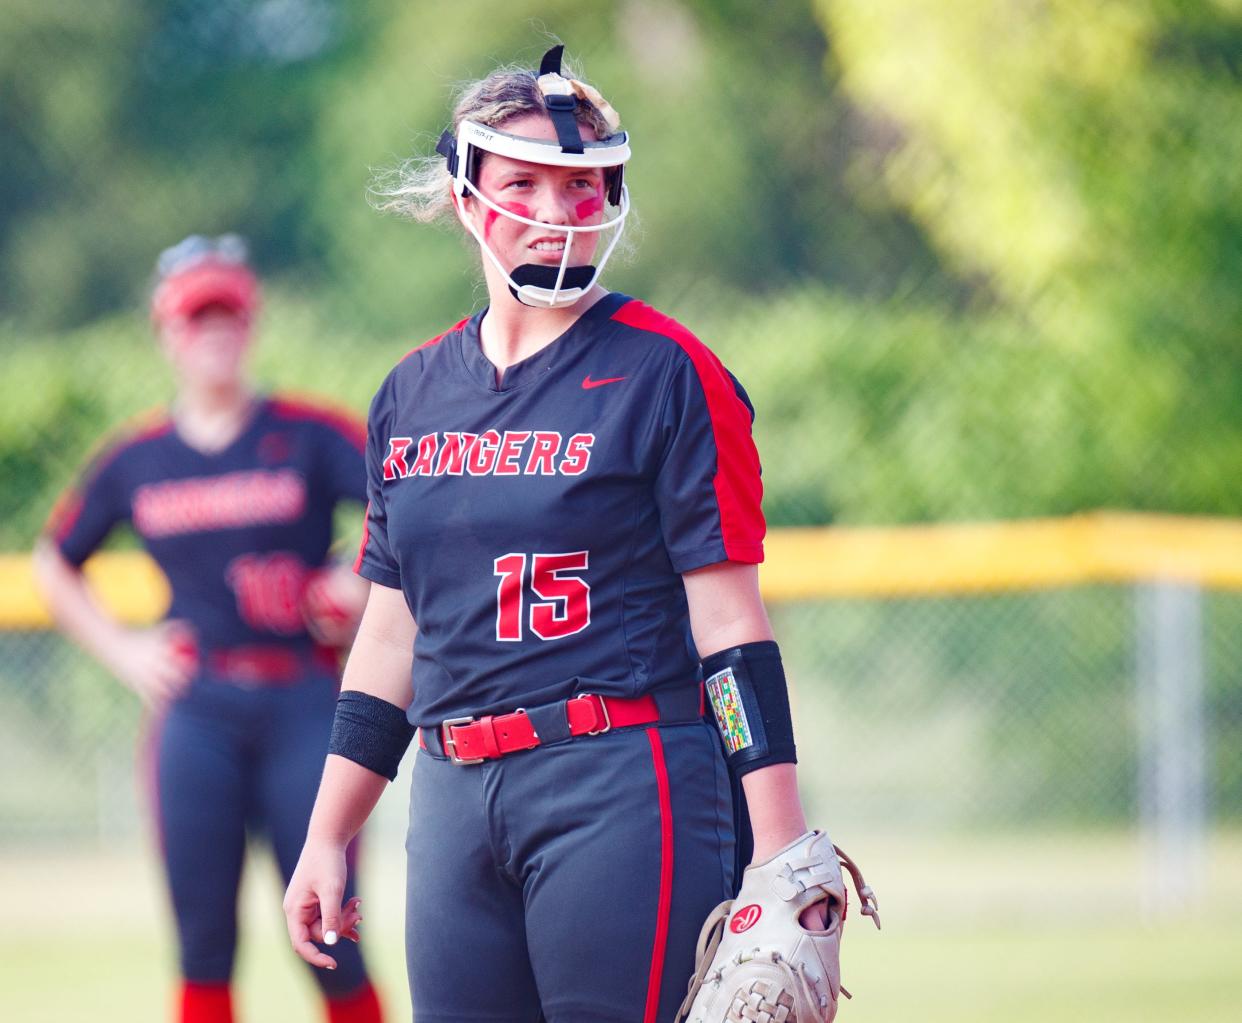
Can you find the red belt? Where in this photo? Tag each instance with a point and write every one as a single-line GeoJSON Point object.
{"type": "Point", "coordinates": [269, 665]}
{"type": "Point", "coordinates": [472, 740]}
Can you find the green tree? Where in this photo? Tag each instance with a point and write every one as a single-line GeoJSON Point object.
{"type": "Point", "coordinates": [1080, 163]}
{"type": "Point", "coordinates": [739, 175]}
{"type": "Point", "coordinates": [128, 124]}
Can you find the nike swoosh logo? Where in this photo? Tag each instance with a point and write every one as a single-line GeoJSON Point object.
{"type": "Point", "coordinates": [588, 383]}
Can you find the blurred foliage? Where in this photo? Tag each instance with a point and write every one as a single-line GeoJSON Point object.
{"type": "Point", "coordinates": [1081, 161]}
{"type": "Point", "coordinates": [145, 121]}
{"type": "Point", "coordinates": [971, 259]}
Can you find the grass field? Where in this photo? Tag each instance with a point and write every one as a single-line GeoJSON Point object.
{"type": "Point", "coordinates": [994, 929]}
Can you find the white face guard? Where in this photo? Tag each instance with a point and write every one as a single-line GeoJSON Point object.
{"type": "Point", "coordinates": [532, 284]}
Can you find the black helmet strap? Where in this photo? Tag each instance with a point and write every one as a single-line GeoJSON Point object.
{"type": "Point", "coordinates": [447, 148]}
{"type": "Point", "coordinates": [560, 107]}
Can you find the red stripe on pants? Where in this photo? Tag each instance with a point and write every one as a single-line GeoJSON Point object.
{"type": "Point", "coordinates": [666, 877]}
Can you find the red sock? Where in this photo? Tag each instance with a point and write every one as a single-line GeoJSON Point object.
{"type": "Point", "coordinates": [206, 1003]}
{"type": "Point", "coordinates": [360, 1007]}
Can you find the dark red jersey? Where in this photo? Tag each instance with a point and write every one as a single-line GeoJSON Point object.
{"type": "Point", "coordinates": [235, 531]}
{"type": "Point", "coordinates": [539, 528]}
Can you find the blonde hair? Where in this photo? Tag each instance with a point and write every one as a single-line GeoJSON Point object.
{"type": "Point", "coordinates": [419, 188]}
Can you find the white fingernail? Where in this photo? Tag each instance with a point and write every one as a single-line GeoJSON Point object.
{"type": "Point", "coordinates": [329, 937]}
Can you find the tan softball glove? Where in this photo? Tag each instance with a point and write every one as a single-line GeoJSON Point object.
{"type": "Point", "coordinates": [756, 963]}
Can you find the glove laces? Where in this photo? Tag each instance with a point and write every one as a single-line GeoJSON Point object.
{"type": "Point", "coordinates": [866, 896]}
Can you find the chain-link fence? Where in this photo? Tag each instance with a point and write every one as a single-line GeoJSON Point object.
{"type": "Point", "coordinates": [1087, 709]}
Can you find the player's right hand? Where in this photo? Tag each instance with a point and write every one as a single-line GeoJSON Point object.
{"type": "Point", "coordinates": [156, 663]}
{"type": "Point", "coordinates": [313, 909]}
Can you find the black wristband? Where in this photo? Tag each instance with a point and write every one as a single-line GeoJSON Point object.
{"type": "Point", "coordinates": [750, 699]}
{"type": "Point", "coordinates": [371, 732]}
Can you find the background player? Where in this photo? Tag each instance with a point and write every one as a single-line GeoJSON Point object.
{"type": "Point", "coordinates": [565, 497]}
{"type": "Point", "coordinates": [232, 493]}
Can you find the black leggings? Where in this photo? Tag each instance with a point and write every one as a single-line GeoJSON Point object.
{"type": "Point", "coordinates": [231, 761]}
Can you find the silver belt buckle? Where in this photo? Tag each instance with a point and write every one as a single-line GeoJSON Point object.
{"type": "Point", "coordinates": [603, 706]}
{"type": "Point", "coordinates": [450, 745]}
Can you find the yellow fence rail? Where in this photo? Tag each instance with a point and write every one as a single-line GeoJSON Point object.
{"type": "Point", "coordinates": [805, 564]}
{"type": "Point", "coordinates": [1098, 547]}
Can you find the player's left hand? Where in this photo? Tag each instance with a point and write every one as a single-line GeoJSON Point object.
{"type": "Point", "coordinates": [775, 949]}
{"type": "Point", "coordinates": [332, 602]}
{"type": "Point", "coordinates": [815, 918]}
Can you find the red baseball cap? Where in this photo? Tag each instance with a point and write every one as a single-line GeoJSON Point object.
{"type": "Point", "coordinates": [209, 281]}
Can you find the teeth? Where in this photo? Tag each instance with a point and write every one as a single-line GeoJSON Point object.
{"type": "Point", "coordinates": [549, 246]}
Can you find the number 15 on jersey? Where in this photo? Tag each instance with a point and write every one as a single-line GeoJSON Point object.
{"type": "Point", "coordinates": [559, 600]}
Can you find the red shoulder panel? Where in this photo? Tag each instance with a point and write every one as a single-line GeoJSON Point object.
{"type": "Point", "coordinates": [739, 490]}
{"type": "Point", "coordinates": [435, 340]}
{"type": "Point", "coordinates": [307, 409]}
{"type": "Point", "coordinates": [142, 426]}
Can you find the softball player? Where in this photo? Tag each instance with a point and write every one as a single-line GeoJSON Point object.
{"type": "Point", "coordinates": [564, 508]}
{"type": "Point", "coordinates": [232, 493]}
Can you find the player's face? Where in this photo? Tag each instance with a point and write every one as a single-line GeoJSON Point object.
{"type": "Point", "coordinates": [571, 196]}
{"type": "Point", "coordinates": [208, 348]}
